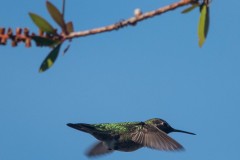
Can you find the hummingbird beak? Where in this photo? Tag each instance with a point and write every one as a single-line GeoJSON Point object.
{"type": "Point", "coordinates": [176, 130]}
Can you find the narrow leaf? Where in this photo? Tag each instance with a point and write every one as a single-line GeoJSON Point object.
{"type": "Point", "coordinates": [66, 49]}
{"type": "Point", "coordinates": [41, 41]}
{"type": "Point", "coordinates": [56, 15]}
{"type": "Point", "coordinates": [203, 24]}
{"type": "Point", "coordinates": [50, 59]}
{"type": "Point", "coordinates": [41, 23]}
{"type": "Point", "coordinates": [70, 27]}
{"type": "Point", "coordinates": [63, 8]}
{"type": "Point", "coordinates": [190, 8]}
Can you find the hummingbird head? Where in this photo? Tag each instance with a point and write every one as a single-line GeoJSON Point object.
{"type": "Point", "coordinates": [164, 126]}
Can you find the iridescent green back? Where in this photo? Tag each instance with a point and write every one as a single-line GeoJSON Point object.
{"type": "Point", "coordinates": [117, 128]}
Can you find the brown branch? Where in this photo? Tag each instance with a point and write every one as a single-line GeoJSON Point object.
{"type": "Point", "coordinates": [23, 35]}
{"type": "Point", "coordinates": [16, 38]}
{"type": "Point", "coordinates": [138, 17]}
{"type": "Point", "coordinates": [26, 37]}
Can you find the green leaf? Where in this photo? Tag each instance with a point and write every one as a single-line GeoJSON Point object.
{"type": "Point", "coordinates": [41, 41]}
{"type": "Point", "coordinates": [50, 59]}
{"type": "Point", "coordinates": [190, 8]}
{"type": "Point", "coordinates": [203, 24]}
{"type": "Point", "coordinates": [70, 27]}
{"type": "Point", "coordinates": [56, 15]}
{"type": "Point", "coordinates": [41, 23]}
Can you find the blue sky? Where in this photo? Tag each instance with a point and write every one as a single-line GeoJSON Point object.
{"type": "Point", "coordinates": [155, 69]}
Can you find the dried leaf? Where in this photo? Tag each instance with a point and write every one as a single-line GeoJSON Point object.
{"type": "Point", "coordinates": [70, 27]}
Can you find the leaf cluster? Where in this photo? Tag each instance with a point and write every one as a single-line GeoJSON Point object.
{"type": "Point", "coordinates": [46, 27]}
{"type": "Point", "coordinates": [56, 40]}
{"type": "Point", "coordinates": [203, 24]}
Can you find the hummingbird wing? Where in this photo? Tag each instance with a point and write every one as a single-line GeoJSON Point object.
{"type": "Point", "coordinates": [152, 137]}
{"type": "Point", "coordinates": [98, 149]}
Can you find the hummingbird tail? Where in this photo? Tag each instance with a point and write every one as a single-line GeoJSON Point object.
{"type": "Point", "coordinates": [82, 127]}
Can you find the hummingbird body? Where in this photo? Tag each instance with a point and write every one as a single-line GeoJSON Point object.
{"type": "Point", "coordinates": [130, 136]}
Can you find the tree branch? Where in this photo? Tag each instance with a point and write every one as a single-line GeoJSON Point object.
{"type": "Point", "coordinates": [138, 17]}
{"type": "Point", "coordinates": [26, 37]}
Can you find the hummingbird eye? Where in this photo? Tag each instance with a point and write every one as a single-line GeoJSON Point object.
{"type": "Point", "coordinates": [164, 124]}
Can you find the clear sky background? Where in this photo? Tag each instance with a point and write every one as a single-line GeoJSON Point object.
{"type": "Point", "coordinates": [155, 69]}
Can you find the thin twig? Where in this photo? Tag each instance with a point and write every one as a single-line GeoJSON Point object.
{"type": "Point", "coordinates": [63, 8]}
{"type": "Point", "coordinates": [130, 21]}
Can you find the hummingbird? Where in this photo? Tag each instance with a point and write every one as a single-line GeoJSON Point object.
{"type": "Point", "coordinates": [130, 136]}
